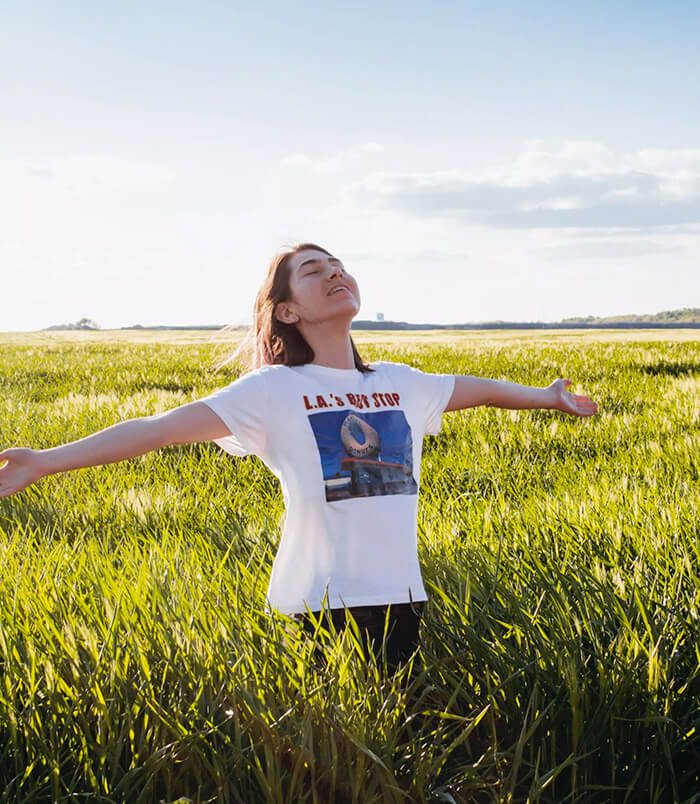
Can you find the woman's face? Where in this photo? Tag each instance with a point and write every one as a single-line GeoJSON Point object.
{"type": "Point", "coordinates": [320, 288]}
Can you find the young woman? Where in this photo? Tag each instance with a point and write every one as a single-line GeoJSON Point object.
{"type": "Point", "coordinates": [344, 438]}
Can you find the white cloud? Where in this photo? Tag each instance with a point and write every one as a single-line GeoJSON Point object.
{"type": "Point", "coordinates": [540, 160]}
{"type": "Point", "coordinates": [604, 249]}
{"type": "Point", "coordinates": [101, 174]}
{"type": "Point", "coordinates": [331, 165]}
{"type": "Point", "coordinates": [578, 185]}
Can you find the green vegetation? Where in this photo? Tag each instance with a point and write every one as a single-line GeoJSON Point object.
{"type": "Point", "coordinates": [559, 656]}
{"type": "Point", "coordinates": [686, 314]}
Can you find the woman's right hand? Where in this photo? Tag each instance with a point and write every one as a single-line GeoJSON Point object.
{"type": "Point", "coordinates": [22, 468]}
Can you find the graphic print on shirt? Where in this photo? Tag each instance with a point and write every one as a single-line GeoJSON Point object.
{"type": "Point", "coordinates": [364, 454]}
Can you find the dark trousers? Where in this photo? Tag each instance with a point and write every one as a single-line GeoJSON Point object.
{"type": "Point", "coordinates": [401, 638]}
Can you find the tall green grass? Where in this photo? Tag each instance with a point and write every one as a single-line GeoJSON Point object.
{"type": "Point", "coordinates": [559, 652]}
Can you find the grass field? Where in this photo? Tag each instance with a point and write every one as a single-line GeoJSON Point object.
{"type": "Point", "coordinates": [560, 650]}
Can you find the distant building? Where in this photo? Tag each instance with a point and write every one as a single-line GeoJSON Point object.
{"type": "Point", "coordinates": [380, 316]}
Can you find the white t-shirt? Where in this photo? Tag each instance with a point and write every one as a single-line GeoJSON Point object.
{"type": "Point", "coordinates": [346, 446]}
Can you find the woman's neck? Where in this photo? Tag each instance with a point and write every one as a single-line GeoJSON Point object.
{"type": "Point", "coordinates": [331, 345]}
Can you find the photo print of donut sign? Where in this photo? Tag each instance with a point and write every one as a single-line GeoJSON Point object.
{"type": "Point", "coordinates": [364, 454]}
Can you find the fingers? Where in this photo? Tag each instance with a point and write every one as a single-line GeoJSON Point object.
{"type": "Point", "coordinates": [581, 405]}
{"type": "Point", "coordinates": [577, 404]}
{"type": "Point", "coordinates": [582, 398]}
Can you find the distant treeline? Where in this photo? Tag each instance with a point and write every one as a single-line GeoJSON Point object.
{"type": "Point", "coordinates": [686, 318]}
{"type": "Point", "coordinates": [404, 325]}
{"type": "Point", "coordinates": [687, 315]}
{"type": "Point", "coordinates": [382, 325]}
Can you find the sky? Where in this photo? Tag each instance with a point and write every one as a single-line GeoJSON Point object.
{"type": "Point", "coordinates": [467, 161]}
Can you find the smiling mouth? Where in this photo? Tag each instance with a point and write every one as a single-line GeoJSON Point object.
{"type": "Point", "coordinates": [337, 290]}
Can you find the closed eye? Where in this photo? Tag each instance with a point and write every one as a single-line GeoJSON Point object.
{"type": "Point", "coordinates": [330, 260]}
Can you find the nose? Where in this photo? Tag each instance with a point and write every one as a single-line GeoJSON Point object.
{"type": "Point", "coordinates": [336, 270]}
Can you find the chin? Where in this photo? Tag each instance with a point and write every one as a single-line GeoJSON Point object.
{"type": "Point", "coordinates": [350, 314]}
{"type": "Point", "coordinates": [353, 305]}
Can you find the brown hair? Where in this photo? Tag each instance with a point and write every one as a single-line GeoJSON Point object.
{"type": "Point", "coordinates": [270, 341]}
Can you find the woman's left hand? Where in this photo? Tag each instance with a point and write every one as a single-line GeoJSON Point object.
{"type": "Point", "coordinates": [570, 403]}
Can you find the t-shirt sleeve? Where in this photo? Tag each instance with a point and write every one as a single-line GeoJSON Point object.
{"type": "Point", "coordinates": [432, 392]}
{"type": "Point", "coordinates": [243, 407]}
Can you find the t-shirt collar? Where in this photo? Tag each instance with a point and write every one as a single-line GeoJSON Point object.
{"type": "Point", "coordinates": [312, 369]}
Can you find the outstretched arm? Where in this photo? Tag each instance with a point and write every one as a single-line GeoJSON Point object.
{"type": "Point", "coordinates": [470, 392]}
{"type": "Point", "coordinates": [189, 423]}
